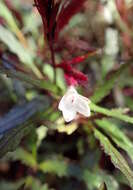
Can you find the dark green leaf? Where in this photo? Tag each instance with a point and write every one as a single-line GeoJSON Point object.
{"type": "Point", "coordinates": [116, 158]}
{"type": "Point", "coordinates": [63, 168]}
{"type": "Point", "coordinates": [117, 136]}
{"type": "Point", "coordinates": [42, 84]}
{"type": "Point", "coordinates": [15, 125]}
{"type": "Point", "coordinates": [105, 88]}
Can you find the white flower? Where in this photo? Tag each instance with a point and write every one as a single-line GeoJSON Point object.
{"type": "Point", "coordinates": [73, 103]}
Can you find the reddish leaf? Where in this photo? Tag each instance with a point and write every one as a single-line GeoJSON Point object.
{"type": "Point", "coordinates": [53, 19]}
{"type": "Point", "coordinates": [72, 76]}
{"type": "Point", "coordinates": [121, 6]}
{"type": "Point", "coordinates": [65, 66]}
{"type": "Point", "coordinates": [70, 80]}
{"type": "Point", "coordinates": [69, 8]}
{"type": "Point", "coordinates": [79, 76]}
{"type": "Point", "coordinates": [122, 9]}
{"type": "Point", "coordinates": [52, 23]}
{"type": "Point", "coordinates": [44, 8]}
{"type": "Point", "coordinates": [82, 58]}
{"type": "Point", "coordinates": [75, 77]}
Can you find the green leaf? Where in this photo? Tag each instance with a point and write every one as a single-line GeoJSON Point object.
{"type": "Point", "coordinates": [111, 113]}
{"type": "Point", "coordinates": [49, 71]}
{"type": "Point", "coordinates": [105, 88]}
{"type": "Point", "coordinates": [24, 54]}
{"type": "Point", "coordinates": [34, 184]}
{"type": "Point", "coordinates": [63, 168]}
{"type": "Point", "coordinates": [94, 180]}
{"type": "Point", "coordinates": [26, 157]}
{"type": "Point", "coordinates": [110, 181]}
{"type": "Point", "coordinates": [41, 134]}
{"type": "Point", "coordinates": [117, 136]}
{"type": "Point", "coordinates": [7, 15]}
{"type": "Point", "coordinates": [103, 187]}
{"type": "Point", "coordinates": [11, 24]}
{"type": "Point", "coordinates": [129, 102]}
{"type": "Point", "coordinates": [116, 158]}
{"type": "Point", "coordinates": [55, 166]}
{"type": "Point", "coordinates": [42, 84]}
{"type": "Point", "coordinates": [6, 185]}
{"type": "Point", "coordinates": [11, 139]}
{"type": "Point", "coordinates": [14, 125]}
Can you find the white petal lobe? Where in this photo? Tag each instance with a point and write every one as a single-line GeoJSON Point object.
{"type": "Point", "coordinates": [73, 103]}
{"type": "Point", "coordinates": [83, 106]}
{"type": "Point", "coordinates": [69, 115]}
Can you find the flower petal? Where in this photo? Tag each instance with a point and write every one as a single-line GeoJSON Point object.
{"type": "Point", "coordinates": [61, 105]}
{"type": "Point", "coordinates": [68, 100]}
{"type": "Point", "coordinates": [82, 106]}
{"type": "Point", "coordinates": [69, 115]}
{"type": "Point", "coordinates": [83, 97]}
{"type": "Point", "coordinates": [73, 103]}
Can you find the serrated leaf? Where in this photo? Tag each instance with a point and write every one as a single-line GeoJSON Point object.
{"type": "Point", "coordinates": [34, 184]}
{"type": "Point", "coordinates": [111, 113]}
{"type": "Point", "coordinates": [117, 136]}
{"type": "Point", "coordinates": [58, 167]}
{"type": "Point", "coordinates": [94, 180]}
{"type": "Point", "coordinates": [109, 180]}
{"type": "Point", "coordinates": [105, 88]}
{"type": "Point", "coordinates": [25, 157]}
{"type": "Point", "coordinates": [116, 158]}
{"type": "Point", "coordinates": [62, 168]}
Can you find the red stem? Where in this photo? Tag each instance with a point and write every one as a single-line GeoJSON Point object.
{"type": "Point", "coordinates": [53, 59]}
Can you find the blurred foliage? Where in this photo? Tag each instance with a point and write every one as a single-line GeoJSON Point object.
{"type": "Point", "coordinates": [38, 149]}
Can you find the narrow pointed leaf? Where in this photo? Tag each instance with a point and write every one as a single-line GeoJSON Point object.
{"type": "Point", "coordinates": [42, 84]}
{"type": "Point", "coordinates": [103, 90]}
{"type": "Point", "coordinates": [116, 158]}
{"type": "Point", "coordinates": [117, 135]}
{"type": "Point", "coordinates": [111, 113]}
